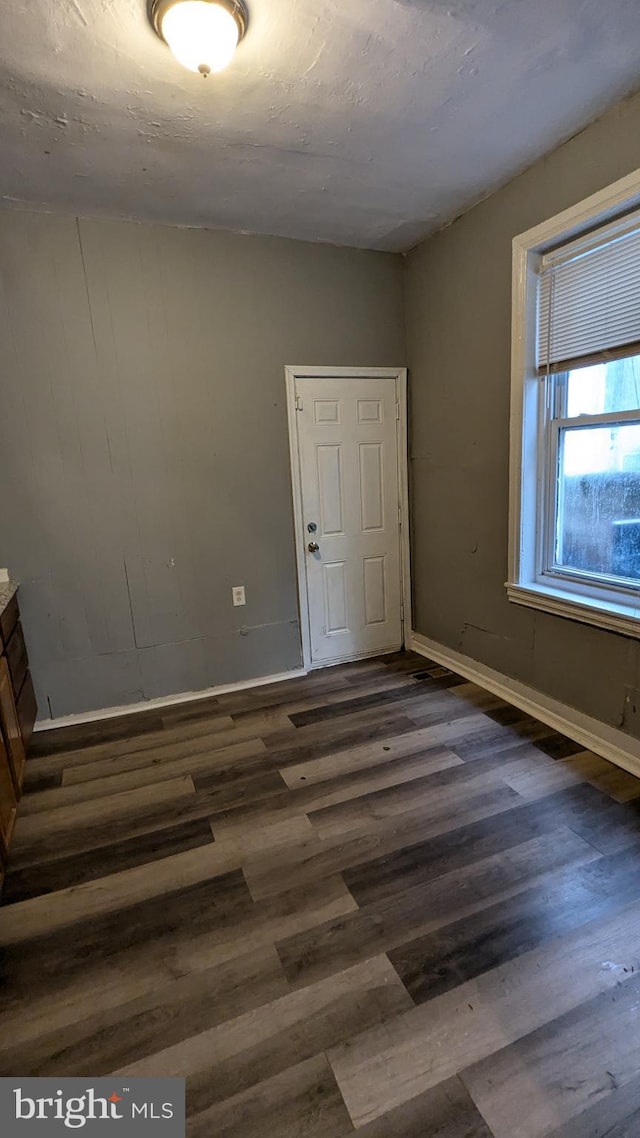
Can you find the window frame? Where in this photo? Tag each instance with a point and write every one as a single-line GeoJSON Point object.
{"type": "Point", "coordinates": [533, 578]}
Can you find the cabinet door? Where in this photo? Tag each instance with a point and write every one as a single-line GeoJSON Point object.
{"type": "Point", "coordinates": [10, 726]}
{"type": "Point", "coordinates": [7, 800]}
{"type": "Point", "coordinates": [17, 659]}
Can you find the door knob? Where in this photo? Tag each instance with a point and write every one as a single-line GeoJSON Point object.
{"type": "Point", "coordinates": [313, 547]}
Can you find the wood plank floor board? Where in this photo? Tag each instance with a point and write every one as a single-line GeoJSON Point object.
{"type": "Point", "coordinates": [191, 711]}
{"type": "Point", "coordinates": [283, 712]}
{"type": "Point", "coordinates": [491, 739]}
{"type": "Point", "coordinates": [370, 810]}
{"type": "Point", "coordinates": [180, 803]}
{"type": "Point", "coordinates": [314, 799]}
{"type": "Point", "coordinates": [533, 773]}
{"type": "Point", "coordinates": [598, 1045]}
{"type": "Point", "coordinates": [200, 886]}
{"type": "Point", "coordinates": [385, 1067]}
{"type": "Point", "coordinates": [445, 1111]}
{"type": "Point", "coordinates": [372, 838]}
{"type": "Point", "coordinates": [387, 772]}
{"type": "Point", "coordinates": [558, 746]}
{"type": "Point", "coordinates": [68, 794]}
{"type": "Point", "coordinates": [266, 840]}
{"type": "Point", "coordinates": [608, 825]}
{"type": "Point", "coordinates": [370, 731]}
{"type": "Point", "coordinates": [440, 709]}
{"type": "Point", "coordinates": [533, 778]}
{"type": "Point", "coordinates": [369, 755]}
{"type": "Point", "coordinates": [64, 761]}
{"type": "Point", "coordinates": [372, 700]}
{"type": "Point", "coordinates": [36, 782]}
{"type": "Point", "coordinates": [228, 764]}
{"type": "Point", "coordinates": [314, 741]}
{"type": "Point", "coordinates": [419, 740]}
{"type": "Point", "coordinates": [322, 683]}
{"type": "Point", "coordinates": [617, 783]}
{"type": "Point", "coordinates": [348, 787]}
{"type": "Point", "coordinates": [81, 735]}
{"type": "Point", "coordinates": [464, 949]}
{"type": "Point", "coordinates": [106, 812]}
{"type": "Point", "coordinates": [224, 746]}
{"type": "Point", "coordinates": [65, 872]}
{"type": "Point", "coordinates": [138, 966]}
{"type": "Point", "coordinates": [479, 697]}
{"type": "Point", "coordinates": [227, 1060]}
{"type": "Point", "coordinates": [507, 714]}
{"type": "Point", "coordinates": [438, 679]}
{"type": "Point", "coordinates": [614, 1116]}
{"type": "Point", "coordinates": [88, 825]}
{"type": "Point", "coordinates": [303, 1100]}
{"type": "Point", "coordinates": [98, 1042]}
{"type": "Point", "coordinates": [437, 790]}
{"type": "Point", "coordinates": [412, 913]}
{"type": "Point", "coordinates": [375, 898]}
{"type": "Point", "coordinates": [427, 860]}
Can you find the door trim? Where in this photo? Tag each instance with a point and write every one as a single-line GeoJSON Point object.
{"type": "Point", "coordinates": [291, 374]}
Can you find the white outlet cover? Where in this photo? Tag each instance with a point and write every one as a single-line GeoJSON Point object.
{"type": "Point", "coordinates": [238, 596]}
{"type": "Point", "coordinates": [4, 576]}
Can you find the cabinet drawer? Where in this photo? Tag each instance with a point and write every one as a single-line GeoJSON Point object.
{"type": "Point", "coordinates": [9, 619]}
{"type": "Point", "coordinates": [27, 710]}
{"type": "Point", "coordinates": [17, 658]}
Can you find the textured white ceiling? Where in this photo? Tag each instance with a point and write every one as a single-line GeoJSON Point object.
{"type": "Point", "coordinates": [360, 122]}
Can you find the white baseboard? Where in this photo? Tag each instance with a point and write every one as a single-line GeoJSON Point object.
{"type": "Point", "coordinates": [609, 742]}
{"type": "Point", "coordinates": [165, 701]}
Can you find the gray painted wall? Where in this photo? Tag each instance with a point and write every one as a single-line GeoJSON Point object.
{"type": "Point", "coordinates": [458, 327]}
{"type": "Point", "coordinates": [144, 443]}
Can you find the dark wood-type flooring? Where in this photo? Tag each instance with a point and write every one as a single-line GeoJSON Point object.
{"type": "Point", "coordinates": [375, 899]}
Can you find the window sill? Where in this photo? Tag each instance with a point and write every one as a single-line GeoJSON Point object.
{"type": "Point", "coordinates": [624, 619]}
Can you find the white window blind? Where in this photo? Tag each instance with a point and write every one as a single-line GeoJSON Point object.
{"type": "Point", "coordinates": [589, 297]}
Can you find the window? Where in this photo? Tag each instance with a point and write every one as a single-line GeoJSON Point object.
{"type": "Point", "coordinates": [575, 440]}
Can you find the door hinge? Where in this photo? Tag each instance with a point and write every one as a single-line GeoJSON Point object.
{"type": "Point", "coordinates": [402, 611]}
{"type": "Point", "coordinates": [399, 514]}
{"type": "Point", "coordinates": [397, 410]}
{"type": "Point", "coordinates": [298, 403]}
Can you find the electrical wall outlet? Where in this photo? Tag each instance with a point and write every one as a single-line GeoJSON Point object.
{"type": "Point", "coordinates": [4, 576]}
{"type": "Point", "coordinates": [237, 593]}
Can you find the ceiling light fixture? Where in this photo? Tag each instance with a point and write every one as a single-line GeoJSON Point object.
{"type": "Point", "coordinates": [202, 34]}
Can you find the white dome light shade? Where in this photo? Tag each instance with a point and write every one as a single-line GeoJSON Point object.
{"type": "Point", "coordinates": [202, 34]}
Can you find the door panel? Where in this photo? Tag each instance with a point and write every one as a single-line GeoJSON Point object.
{"type": "Point", "coordinates": [371, 486]}
{"type": "Point", "coordinates": [349, 477]}
{"type": "Point", "coordinates": [375, 590]}
{"type": "Point", "coordinates": [335, 588]}
{"type": "Point", "coordinates": [330, 487]}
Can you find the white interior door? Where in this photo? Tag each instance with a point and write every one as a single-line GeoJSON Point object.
{"type": "Point", "coordinates": [348, 447]}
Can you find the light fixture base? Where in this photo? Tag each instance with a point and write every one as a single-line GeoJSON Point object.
{"type": "Point", "coordinates": [157, 9]}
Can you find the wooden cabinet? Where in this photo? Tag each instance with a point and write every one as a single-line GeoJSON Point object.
{"type": "Point", "coordinates": [17, 658]}
{"type": "Point", "coordinates": [8, 803]}
{"type": "Point", "coordinates": [11, 726]}
{"type": "Point", "coordinates": [17, 714]}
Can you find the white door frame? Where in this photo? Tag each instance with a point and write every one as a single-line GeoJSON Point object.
{"type": "Point", "coordinates": [291, 374]}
